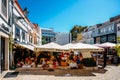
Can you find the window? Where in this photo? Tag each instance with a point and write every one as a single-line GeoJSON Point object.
{"type": "Point", "coordinates": [101, 30]}
{"type": "Point", "coordinates": [118, 28]}
{"type": "Point", "coordinates": [4, 2]}
{"type": "Point", "coordinates": [23, 22]}
{"type": "Point", "coordinates": [111, 38]}
{"type": "Point", "coordinates": [112, 28]}
{"type": "Point", "coordinates": [17, 34]}
{"type": "Point", "coordinates": [109, 29]}
{"type": "Point", "coordinates": [23, 36]}
{"type": "Point", "coordinates": [103, 39]}
{"type": "Point", "coordinates": [4, 7]}
{"type": "Point", "coordinates": [105, 30]}
{"type": "Point", "coordinates": [30, 38]}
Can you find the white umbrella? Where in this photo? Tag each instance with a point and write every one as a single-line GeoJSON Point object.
{"type": "Point", "coordinates": [68, 46]}
{"type": "Point", "coordinates": [97, 45]}
{"type": "Point", "coordinates": [85, 49]}
{"type": "Point", "coordinates": [83, 46]}
{"type": "Point", "coordinates": [50, 47]}
{"type": "Point", "coordinates": [108, 45]}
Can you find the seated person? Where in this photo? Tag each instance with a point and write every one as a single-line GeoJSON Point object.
{"type": "Point", "coordinates": [27, 61]}
{"type": "Point", "coordinates": [22, 62]}
{"type": "Point", "coordinates": [78, 61]}
{"type": "Point", "coordinates": [33, 63]}
{"type": "Point", "coordinates": [50, 63]}
{"type": "Point", "coordinates": [19, 64]}
{"type": "Point", "coordinates": [55, 64]}
{"type": "Point", "coordinates": [50, 66]}
{"type": "Point", "coordinates": [44, 64]}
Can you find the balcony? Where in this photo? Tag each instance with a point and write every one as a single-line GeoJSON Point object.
{"type": "Point", "coordinates": [4, 10]}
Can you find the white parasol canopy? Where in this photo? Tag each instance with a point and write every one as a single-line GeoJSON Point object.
{"type": "Point", "coordinates": [68, 46]}
{"type": "Point", "coordinates": [108, 45]}
{"type": "Point", "coordinates": [50, 47]}
{"type": "Point", "coordinates": [83, 46]}
{"type": "Point", "coordinates": [71, 46]}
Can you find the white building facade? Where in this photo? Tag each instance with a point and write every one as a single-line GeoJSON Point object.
{"type": "Point", "coordinates": [15, 28]}
{"type": "Point", "coordinates": [24, 31]}
{"type": "Point", "coordinates": [48, 35]}
{"type": "Point", "coordinates": [118, 33]}
{"type": "Point", "coordinates": [63, 38]}
{"type": "Point", "coordinates": [20, 25]}
{"type": "Point", "coordinates": [4, 35]}
{"type": "Point", "coordinates": [87, 35]}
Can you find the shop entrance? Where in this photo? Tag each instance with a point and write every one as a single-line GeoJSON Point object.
{"type": "Point", "coordinates": [2, 54]}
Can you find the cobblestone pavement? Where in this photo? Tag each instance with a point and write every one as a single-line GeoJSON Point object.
{"type": "Point", "coordinates": [113, 73]}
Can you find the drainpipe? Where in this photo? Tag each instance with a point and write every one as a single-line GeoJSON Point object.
{"type": "Point", "coordinates": [0, 58]}
{"type": "Point", "coordinates": [11, 35]}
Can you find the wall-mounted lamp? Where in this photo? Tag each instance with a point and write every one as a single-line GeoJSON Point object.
{"type": "Point", "coordinates": [4, 27]}
{"type": "Point", "coordinates": [16, 18]}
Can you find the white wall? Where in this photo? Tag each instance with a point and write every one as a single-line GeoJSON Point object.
{"type": "Point", "coordinates": [63, 38]}
{"type": "Point", "coordinates": [21, 23]}
{"type": "Point", "coordinates": [40, 37]}
{"type": "Point", "coordinates": [6, 36]}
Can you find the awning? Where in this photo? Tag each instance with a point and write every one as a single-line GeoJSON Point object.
{"type": "Point", "coordinates": [106, 45]}
{"type": "Point", "coordinates": [85, 47]}
{"type": "Point", "coordinates": [54, 47]}
{"type": "Point", "coordinates": [26, 46]}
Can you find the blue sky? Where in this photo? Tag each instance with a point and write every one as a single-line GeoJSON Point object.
{"type": "Point", "coordinates": [62, 15]}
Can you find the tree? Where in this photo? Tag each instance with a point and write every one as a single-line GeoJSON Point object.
{"type": "Point", "coordinates": [76, 30]}
{"type": "Point", "coordinates": [44, 40]}
{"type": "Point", "coordinates": [117, 48]}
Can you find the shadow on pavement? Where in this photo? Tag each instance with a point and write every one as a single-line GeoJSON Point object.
{"type": "Point", "coordinates": [60, 72]}
{"type": "Point", "coordinates": [11, 74]}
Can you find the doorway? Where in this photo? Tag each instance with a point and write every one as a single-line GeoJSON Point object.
{"type": "Point", "coordinates": [2, 54]}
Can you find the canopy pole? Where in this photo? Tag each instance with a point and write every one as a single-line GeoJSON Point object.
{"type": "Point", "coordinates": [97, 60]}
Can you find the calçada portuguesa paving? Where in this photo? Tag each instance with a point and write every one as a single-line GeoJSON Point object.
{"type": "Point", "coordinates": [112, 74]}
